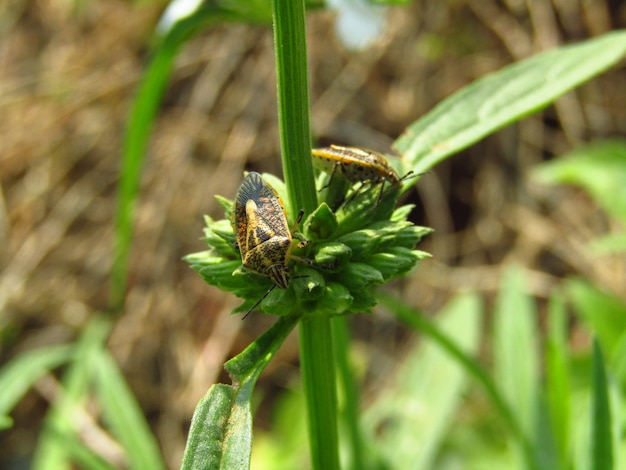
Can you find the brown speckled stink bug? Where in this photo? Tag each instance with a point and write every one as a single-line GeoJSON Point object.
{"type": "Point", "coordinates": [357, 166]}
{"type": "Point", "coordinates": [263, 235]}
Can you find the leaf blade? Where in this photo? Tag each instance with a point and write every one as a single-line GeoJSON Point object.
{"type": "Point", "coordinates": [503, 97]}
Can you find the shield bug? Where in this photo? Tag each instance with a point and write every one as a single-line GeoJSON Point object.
{"type": "Point", "coordinates": [262, 232]}
{"type": "Point", "coordinates": [357, 166]}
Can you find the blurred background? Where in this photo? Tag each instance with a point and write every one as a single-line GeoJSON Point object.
{"type": "Point", "coordinates": [68, 74]}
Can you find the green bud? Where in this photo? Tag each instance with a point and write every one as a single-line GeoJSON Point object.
{"type": "Point", "coordinates": [364, 302]}
{"type": "Point", "coordinates": [332, 256]}
{"type": "Point", "coordinates": [402, 213]}
{"type": "Point", "coordinates": [386, 232]}
{"type": "Point", "coordinates": [321, 224]}
{"type": "Point", "coordinates": [279, 302]}
{"type": "Point", "coordinates": [362, 242]}
{"type": "Point", "coordinates": [358, 276]}
{"type": "Point", "coordinates": [219, 235]}
{"type": "Point", "coordinates": [227, 205]}
{"type": "Point", "coordinates": [308, 284]}
{"type": "Point", "coordinates": [411, 236]}
{"type": "Point", "coordinates": [396, 261]}
{"type": "Point", "coordinates": [335, 301]}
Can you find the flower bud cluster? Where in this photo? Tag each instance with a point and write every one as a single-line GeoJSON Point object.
{"type": "Point", "coordinates": [362, 245]}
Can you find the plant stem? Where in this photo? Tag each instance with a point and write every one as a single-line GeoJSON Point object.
{"type": "Point", "coordinates": [316, 347]}
{"type": "Point", "coordinates": [349, 392]}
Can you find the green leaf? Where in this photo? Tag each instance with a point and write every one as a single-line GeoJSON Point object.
{"type": "Point", "coordinates": [503, 97]}
{"type": "Point", "coordinates": [221, 429]}
{"type": "Point", "coordinates": [599, 168]}
{"type": "Point", "coordinates": [411, 417]}
{"type": "Point", "coordinates": [557, 375]}
{"type": "Point", "coordinates": [601, 436]}
{"type": "Point", "coordinates": [122, 412]}
{"type": "Point", "coordinates": [60, 423]}
{"type": "Point", "coordinates": [470, 364]}
{"type": "Point", "coordinates": [515, 352]}
{"type": "Point", "coordinates": [79, 454]}
{"type": "Point", "coordinates": [209, 426]}
{"type": "Point", "coordinates": [609, 244]}
{"type": "Point", "coordinates": [604, 314]}
{"type": "Point", "coordinates": [21, 373]}
{"type": "Point", "coordinates": [618, 361]}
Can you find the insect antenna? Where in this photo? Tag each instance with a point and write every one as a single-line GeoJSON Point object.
{"type": "Point", "coordinates": [256, 304]}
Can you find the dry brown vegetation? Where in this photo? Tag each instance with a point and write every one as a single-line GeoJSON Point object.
{"type": "Point", "coordinates": [67, 79]}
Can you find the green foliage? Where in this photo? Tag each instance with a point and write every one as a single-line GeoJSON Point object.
{"type": "Point", "coordinates": [359, 246]}
{"type": "Point", "coordinates": [221, 430]}
{"type": "Point", "coordinates": [363, 244]}
{"type": "Point", "coordinates": [600, 169]}
{"type": "Point", "coordinates": [601, 437]}
{"type": "Point", "coordinates": [427, 390]}
{"type": "Point", "coordinates": [92, 366]}
{"type": "Point", "coordinates": [20, 375]}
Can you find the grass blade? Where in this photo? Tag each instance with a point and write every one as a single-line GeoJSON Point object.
{"type": "Point", "coordinates": [415, 414]}
{"type": "Point", "coordinates": [51, 452]}
{"type": "Point", "coordinates": [20, 375]}
{"type": "Point", "coordinates": [122, 412]}
{"type": "Point", "coordinates": [515, 353]}
{"type": "Point", "coordinates": [557, 375]}
{"type": "Point", "coordinates": [601, 436]}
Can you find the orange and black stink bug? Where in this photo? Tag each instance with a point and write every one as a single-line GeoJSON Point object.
{"type": "Point", "coordinates": [263, 235]}
{"type": "Point", "coordinates": [357, 166]}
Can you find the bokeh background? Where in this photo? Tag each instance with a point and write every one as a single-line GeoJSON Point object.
{"type": "Point", "coordinates": [68, 74]}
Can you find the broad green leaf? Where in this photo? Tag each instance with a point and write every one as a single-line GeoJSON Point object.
{"type": "Point", "coordinates": [604, 314]}
{"type": "Point", "coordinates": [414, 415]}
{"type": "Point", "coordinates": [51, 452]}
{"type": "Point", "coordinates": [600, 433]}
{"type": "Point", "coordinates": [503, 97]}
{"type": "Point", "coordinates": [122, 413]}
{"type": "Point", "coordinates": [516, 361]}
{"type": "Point", "coordinates": [21, 373]}
{"type": "Point", "coordinates": [221, 430]}
{"type": "Point", "coordinates": [209, 426]}
{"type": "Point", "coordinates": [599, 168]}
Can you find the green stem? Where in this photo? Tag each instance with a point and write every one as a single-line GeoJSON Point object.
{"type": "Point", "coordinates": [349, 391]}
{"type": "Point", "coordinates": [316, 347]}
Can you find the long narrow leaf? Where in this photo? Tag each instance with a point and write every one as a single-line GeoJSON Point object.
{"type": "Point", "coordinates": [503, 97]}
{"type": "Point", "coordinates": [122, 412]}
{"type": "Point", "coordinates": [601, 437]}
{"type": "Point", "coordinates": [515, 352]}
{"type": "Point", "coordinates": [470, 364]}
{"type": "Point", "coordinates": [557, 380]}
{"type": "Point", "coordinates": [416, 413]}
{"type": "Point", "coordinates": [603, 313]}
{"type": "Point", "coordinates": [51, 452]}
{"type": "Point", "coordinates": [20, 374]}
